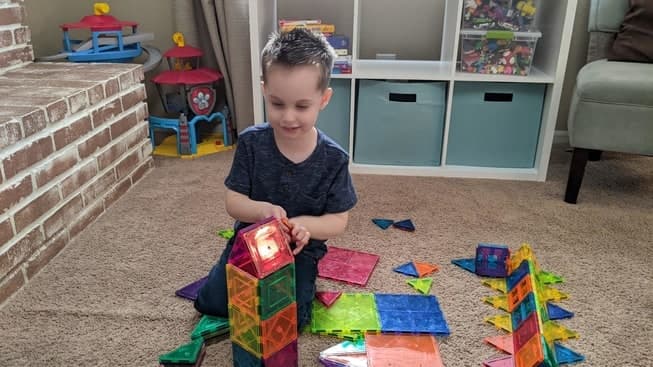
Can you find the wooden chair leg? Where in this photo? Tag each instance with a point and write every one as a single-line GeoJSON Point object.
{"type": "Point", "coordinates": [576, 172]}
{"type": "Point", "coordinates": [595, 155]}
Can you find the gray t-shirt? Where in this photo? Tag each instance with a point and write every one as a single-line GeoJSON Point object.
{"type": "Point", "coordinates": [319, 185]}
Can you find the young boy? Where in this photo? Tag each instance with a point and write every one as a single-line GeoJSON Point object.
{"type": "Point", "coordinates": [287, 168]}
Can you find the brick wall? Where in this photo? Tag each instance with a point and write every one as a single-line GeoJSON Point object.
{"type": "Point", "coordinates": [73, 139]}
{"type": "Point", "coordinates": [15, 49]}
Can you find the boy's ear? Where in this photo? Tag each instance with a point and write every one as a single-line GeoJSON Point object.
{"type": "Point", "coordinates": [262, 87]}
{"type": "Point", "coordinates": [326, 97]}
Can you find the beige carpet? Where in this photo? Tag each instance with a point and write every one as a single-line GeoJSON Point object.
{"type": "Point", "coordinates": [108, 298]}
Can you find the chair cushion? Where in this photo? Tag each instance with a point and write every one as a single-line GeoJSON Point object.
{"type": "Point", "coordinates": [616, 82]}
{"type": "Point", "coordinates": [634, 42]}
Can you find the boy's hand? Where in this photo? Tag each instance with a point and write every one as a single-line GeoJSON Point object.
{"type": "Point", "coordinates": [271, 210]}
{"type": "Point", "coordinates": [298, 234]}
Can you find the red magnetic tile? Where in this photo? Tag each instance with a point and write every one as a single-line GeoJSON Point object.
{"type": "Point", "coordinates": [348, 266]}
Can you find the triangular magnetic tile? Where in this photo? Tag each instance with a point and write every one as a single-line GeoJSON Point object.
{"type": "Point", "coordinates": [404, 225]}
{"type": "Point", "coordinates": [424, 269]}
{"type": "Point", "coordinates": [565, 355]}
{"type": "Point", "coordinates": [407, 269]}
{"type": "Point", "coordinates": [422, 285]}
{"type": "Point", "coordinates": [501, 342]}
{"type": "Point", "coordinates": [503, 322]}
{"type": "Point", "coordinates": [496, 284]}
{"type": "Point", "coordinates": [327, 298]}
{"type": "Point", "coordinates": [383, 223]}
{"type": "Point", "coordinates": [500, 302]}
{"type": "Point", "coordinates": [508, 361]}
{"type": "Point", "coordinates": [185, 354]}
{"type": "Point", "coordinates": [467, 264]}
{"type": "Point", "coordinates": [557, 312]}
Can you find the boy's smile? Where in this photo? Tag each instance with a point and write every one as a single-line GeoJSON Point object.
{"type": "Point", "coordinates": [293, 101]}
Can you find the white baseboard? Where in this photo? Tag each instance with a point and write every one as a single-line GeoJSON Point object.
{"type": "Point", "coordinates": [560, 137]}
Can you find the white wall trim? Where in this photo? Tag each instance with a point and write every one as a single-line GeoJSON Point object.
{"type": "Point", "coordinates": [561, 137]}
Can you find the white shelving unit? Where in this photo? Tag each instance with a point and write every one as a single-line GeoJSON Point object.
{"type": "Point", "coordinates": [425, 35]}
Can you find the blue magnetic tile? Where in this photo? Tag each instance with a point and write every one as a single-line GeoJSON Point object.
{"type": "Point", "coordinates": [410, 314]}
{"type": "Point", "coordinates": [517, 275]}
{"type": "Point", "coordinates": [383, 223]}
{"type": "Point", "coordinates": [407, 269]}
{"type": "Point", "coordinates": [565, 355]}
{"type": "Point", "coordinates": [557, 312]}
{"type": "Point", "coordinates": [467, 264]}
{"type": "Point", "coordinates": [522, 310]}
{"type": "Point", "coordinates": [404, 225]}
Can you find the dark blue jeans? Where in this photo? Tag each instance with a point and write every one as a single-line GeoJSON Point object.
{"type": "Point", "coordinates": [212, 297]}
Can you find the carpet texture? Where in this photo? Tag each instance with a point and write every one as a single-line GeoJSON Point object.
{"type": "Point", "coordinates": [108, 298]}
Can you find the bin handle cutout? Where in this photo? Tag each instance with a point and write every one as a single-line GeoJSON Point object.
{"type": "Point", "coordinates": [402, 97]}
{"type": "Point", "coordinates": [498, 97]}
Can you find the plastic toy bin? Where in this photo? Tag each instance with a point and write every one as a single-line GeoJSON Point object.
{"type": "Point", "coordinates": [399, 123]}
{"type": "Point", "coordinates": [497, 52]}
{"type": "Point", "coordinates": [334, 118]}
{"type": "Point", "coordinates": [495, 124]}
{"type": "Point", "coordinates": [513, 15]}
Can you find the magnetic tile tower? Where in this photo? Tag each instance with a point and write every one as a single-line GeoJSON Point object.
{"type": "Point", "coordinates": [262, 305]}
{"type": "Point", "coordinates": [534, 335]}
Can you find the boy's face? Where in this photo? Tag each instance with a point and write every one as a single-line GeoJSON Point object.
{"type": "Point", "coordinates": [293, 99]}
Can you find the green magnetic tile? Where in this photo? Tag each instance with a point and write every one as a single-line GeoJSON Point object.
{"type": "Point", "coordinates": [210, 326]}
{"type": "Point", "coordinates": [353, 313]}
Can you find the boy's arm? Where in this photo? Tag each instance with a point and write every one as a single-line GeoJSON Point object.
{"type": "Point", "coordinates": [325, 226]}
{"type": "Point", "coordinates": [246, 210]}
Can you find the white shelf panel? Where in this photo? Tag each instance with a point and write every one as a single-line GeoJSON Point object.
{"type": "Point", "coordinates": [402, 69]}
{"type": "Point", "coordinates": [341, 76]}
{"type": "Point", "coordinates": [535, 76]}
{"type": "Point", "coordinates": [523, 174]}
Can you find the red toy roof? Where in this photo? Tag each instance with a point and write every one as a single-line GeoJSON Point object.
{"type": "Point", "coordinates": [99, 23]}
{"type": "Point", "coordinates": [187, 77]}
{"type": "Point", "coordinates": [186, 51]}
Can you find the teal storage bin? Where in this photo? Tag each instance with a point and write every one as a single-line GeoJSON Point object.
{"type": "Point", "coordinates": [334, 118]}
{"type": "Point", "coordinates": [495, 124]}
{"type": "Point", "coordinates": [399, 123]}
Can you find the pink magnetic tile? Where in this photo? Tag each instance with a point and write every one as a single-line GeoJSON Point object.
{"type": "Point", "coordinates": [348, 266]}
{"type": "Point", "coordinates": [397, 350]}
{"type": "Point", "coordinates": [327, 298]}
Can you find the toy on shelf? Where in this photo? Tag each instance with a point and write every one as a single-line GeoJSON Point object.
{"type": "Point", "coordinates": [189, 91]}
{"type": "Point", "coordinates": [261, 292]}
{"type": "Point", "coordinates": [108, 43]}
{"type": "Point", "coordinates": [512, 15]}
{"type": "Point", "coordinates": [497, 52]}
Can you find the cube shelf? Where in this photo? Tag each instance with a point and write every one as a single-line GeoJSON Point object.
{"type": "Point", "coordinates": [428, 41]}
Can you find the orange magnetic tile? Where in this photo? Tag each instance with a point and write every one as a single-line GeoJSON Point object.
{"type": "Point", "coordinates": [530, 354]}
{"type": "Point", "coordinates": [402, 350]}
{"type": "Point", "coordinates": [424, 269]}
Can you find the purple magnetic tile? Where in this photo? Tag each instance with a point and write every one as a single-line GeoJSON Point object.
{"type": "Point", "coordinates": [190, 291]}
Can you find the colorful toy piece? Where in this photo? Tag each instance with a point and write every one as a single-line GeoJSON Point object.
{"type": "Point", "coordinates": [349, 266]}
{"type": "Point", "coordinates": [190, 355]}
{"type": "Point", "coordinates": [404, 225]}
{"type": "Point", "coordinates": [107, 42]}
{"type": "Point", "coordinates": [533, 333]}
{"type": "Point", "coordinates": [490, 261]}
{"type": "Point", "coordinates": [383, 223]}
{"type": "Point", "coordinates": [189, 92]}
{"type": "Point", "coordinates": [422, 285]}
{"type": "Point", "coordinates": [402, 350]}
{"type": "Point", "coordinates": [190, 291]}
{"type": "Point", "coordinates": [327, 298]}
{"type": "Point", "coordinates": [261, 291]}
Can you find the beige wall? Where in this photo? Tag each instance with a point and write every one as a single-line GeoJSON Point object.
{"type": "Point", "coordinates": [156, 16]}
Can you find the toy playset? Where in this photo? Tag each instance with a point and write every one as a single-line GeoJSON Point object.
{"type": "Point", "coordinates": [107, 42]}
{"type": "Point", "coordinates": [189, 92]}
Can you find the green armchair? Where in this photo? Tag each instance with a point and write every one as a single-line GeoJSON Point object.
{"type": "Point", "coordinates": [612, 105]}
